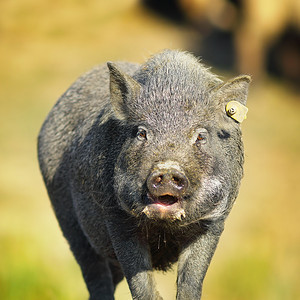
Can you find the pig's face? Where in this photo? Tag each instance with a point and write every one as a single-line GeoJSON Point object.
{"type": "Point", "coordinates": [180, 168]}
{"type": "Point", "coordinates": [183, 161]}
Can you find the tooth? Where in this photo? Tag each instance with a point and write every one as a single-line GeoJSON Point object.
{"type": "Point", "coordinates": [146, 211]}
{"type": "Point", "coordinates": [180, 214]}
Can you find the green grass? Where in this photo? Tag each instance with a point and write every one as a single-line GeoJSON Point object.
{"type": "Point", "coordinates": [44, 47]}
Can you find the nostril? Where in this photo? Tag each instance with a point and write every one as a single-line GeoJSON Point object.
{"type": "Point", "coordinates": [179, 181]}
{"type": "Point", "coordinates": [157, 180]}
{"type": "Point", "coordinates": [176, 180]}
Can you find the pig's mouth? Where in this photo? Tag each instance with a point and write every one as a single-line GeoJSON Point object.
{"type": "Point", "coordinates": [166, 200]}
{"type": "Point", "coordinates": [165, 207]}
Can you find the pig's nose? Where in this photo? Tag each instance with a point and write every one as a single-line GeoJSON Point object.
{"type": "Point", "coordinates": [167, 182]}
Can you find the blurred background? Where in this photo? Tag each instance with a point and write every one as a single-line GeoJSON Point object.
{"type": "Point", "coordinates": [45, 45]}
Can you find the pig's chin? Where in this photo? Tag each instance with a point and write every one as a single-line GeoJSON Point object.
{"type": "Point", "coordinates": [165, 207]}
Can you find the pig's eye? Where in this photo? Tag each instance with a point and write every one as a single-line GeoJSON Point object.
{"type": "Point", "coordinates": [141, 134]}
{"type": "Point", "coordinates": [201, 137]}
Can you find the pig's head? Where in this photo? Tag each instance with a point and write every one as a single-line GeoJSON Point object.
{"type": "Point", "coordinates": [183, 160]}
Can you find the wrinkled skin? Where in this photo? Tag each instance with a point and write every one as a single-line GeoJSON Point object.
{"type": "Point", "coordinates": [142, 165]}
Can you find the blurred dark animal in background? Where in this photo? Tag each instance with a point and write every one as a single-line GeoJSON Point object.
{"type": "Point", "coordinates": [247, 36]}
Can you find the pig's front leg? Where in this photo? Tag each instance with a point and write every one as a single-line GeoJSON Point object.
{"type": "Point", "coordinates": [194, 261]}
{"type": "Point", "coordinates": [134, 258]}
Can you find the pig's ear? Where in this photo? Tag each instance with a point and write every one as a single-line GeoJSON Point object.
{"type": "Point", "coordinates": [233, 97]}
{"type": "Point", "coordinates": [123, 89]}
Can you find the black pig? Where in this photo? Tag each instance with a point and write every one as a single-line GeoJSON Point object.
{"type": "Point", "coordinates": [142, 165]}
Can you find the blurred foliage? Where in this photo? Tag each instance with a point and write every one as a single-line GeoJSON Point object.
{"type": "Point", "coordinates": [44, 46]}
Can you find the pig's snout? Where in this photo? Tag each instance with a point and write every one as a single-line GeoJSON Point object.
{"type": "Point", "coordinates": [167, 182]}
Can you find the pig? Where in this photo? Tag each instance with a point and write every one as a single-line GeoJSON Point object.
{"type": "Point", "coordinates": [142, 164]}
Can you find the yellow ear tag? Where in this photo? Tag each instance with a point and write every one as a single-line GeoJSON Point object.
{"type": "Point", "coordinates": [236, 111]}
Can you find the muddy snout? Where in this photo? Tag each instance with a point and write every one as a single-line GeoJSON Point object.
{"type": "Point", "coordinates": [167, 182]}
{"type": "Point", "coordinates": [166, 188]}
